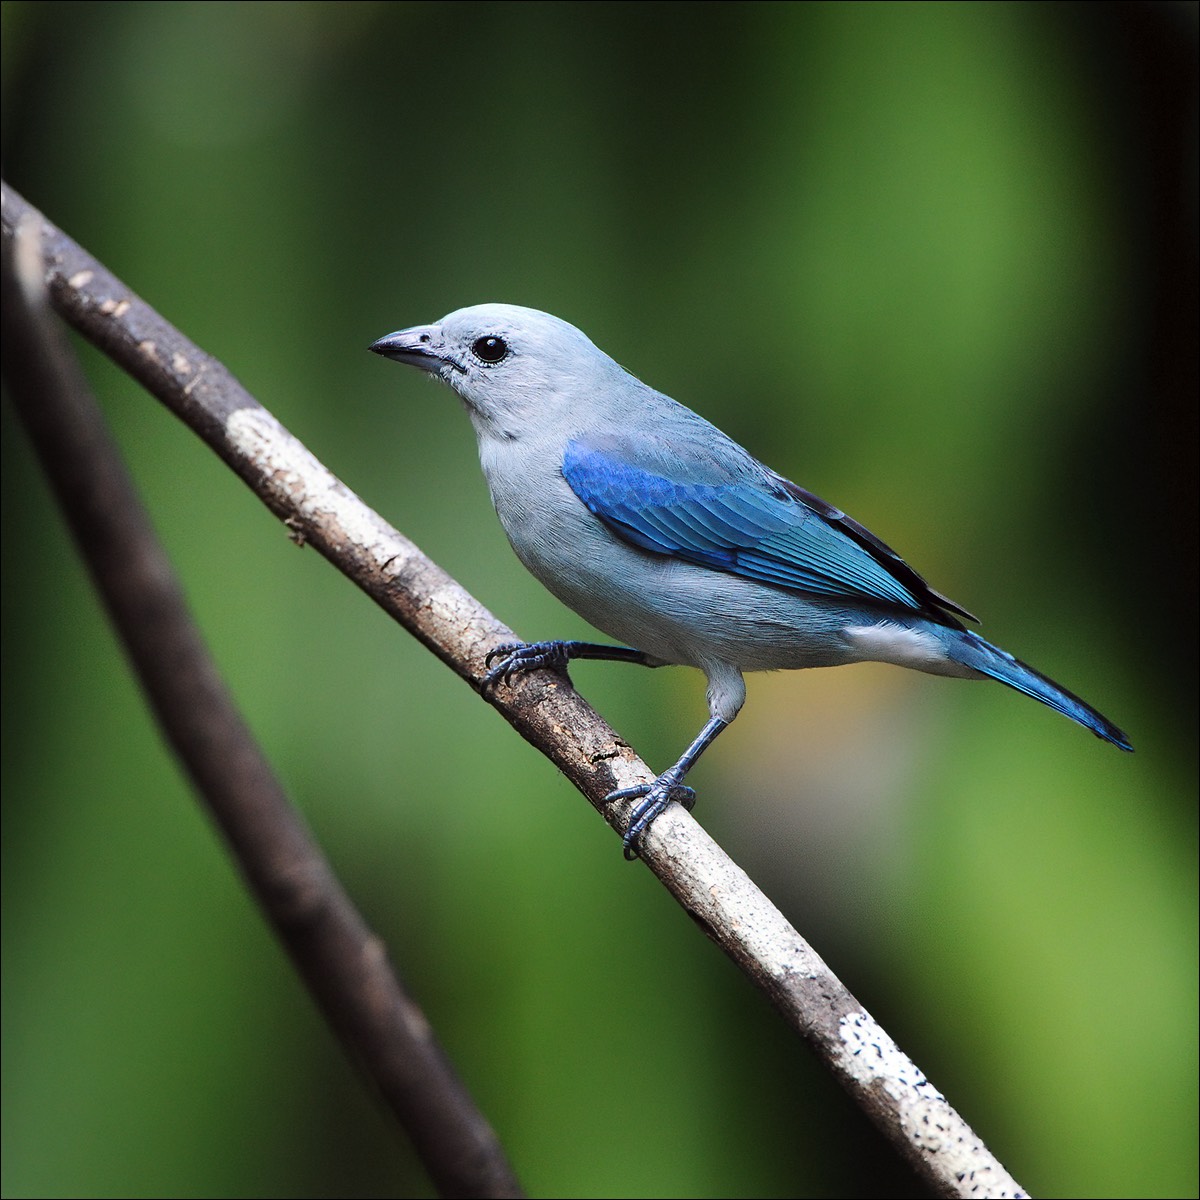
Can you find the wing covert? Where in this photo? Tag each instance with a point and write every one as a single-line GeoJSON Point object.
{"type": "Point", "coordinates": [740, 518]}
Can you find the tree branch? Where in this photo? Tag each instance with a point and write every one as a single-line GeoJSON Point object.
{"type": "Point", "coordinates": [543, 708]}
{"type": "Point", "coordinates": [341, 961]}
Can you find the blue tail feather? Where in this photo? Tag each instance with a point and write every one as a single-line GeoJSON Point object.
{"type": "Point", "coordinates": [972, 651]}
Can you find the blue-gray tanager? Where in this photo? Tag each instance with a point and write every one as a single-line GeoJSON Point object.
{"type": "Point", "coordinates": [658, 529]}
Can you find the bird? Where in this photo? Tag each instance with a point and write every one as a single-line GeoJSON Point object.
{"type": "Point", "coordinates": [664, 533]}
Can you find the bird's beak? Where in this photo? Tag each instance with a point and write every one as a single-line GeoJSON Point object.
{"type": "Point", "coordinates": [422, 346]}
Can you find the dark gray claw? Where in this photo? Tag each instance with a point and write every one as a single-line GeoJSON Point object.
{"type": "Point", "coordinates": [655, 798]}
{"type": "Point", "coordinates": [518, 657]}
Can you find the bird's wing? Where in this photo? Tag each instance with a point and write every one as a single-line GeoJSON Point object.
{"type": "Point", "coordinates": [735, 515]}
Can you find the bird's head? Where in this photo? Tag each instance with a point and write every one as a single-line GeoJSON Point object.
{"type": "Point", "coordinates": [515, 368]}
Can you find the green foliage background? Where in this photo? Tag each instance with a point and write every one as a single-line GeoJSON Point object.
{"type": "Point", "coordinates": [935, 262]}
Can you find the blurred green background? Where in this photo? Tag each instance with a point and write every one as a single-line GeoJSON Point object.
{"type": "Point", "coordinates": [937, 263]}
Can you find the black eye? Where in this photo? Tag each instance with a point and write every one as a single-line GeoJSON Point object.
{"type": "Point", "coordinates": [491, 349]}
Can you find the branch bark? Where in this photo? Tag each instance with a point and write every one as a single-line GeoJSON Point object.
{"type": "Point", "coordinates": [543, 708]}
{"type": "Point", "coordinates": [343, 964]}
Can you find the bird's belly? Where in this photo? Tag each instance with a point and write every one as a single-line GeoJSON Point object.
{"type": "Point", "coordinates": [674, 611]}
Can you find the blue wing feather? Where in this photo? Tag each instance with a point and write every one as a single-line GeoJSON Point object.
{"type": "Point", "coordinates": [739, 517]}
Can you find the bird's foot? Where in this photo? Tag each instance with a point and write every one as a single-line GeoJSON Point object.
{"type": "Point", "coordinates": [515, 658]}
{"type": "Point", "coordinates": [653, 799]}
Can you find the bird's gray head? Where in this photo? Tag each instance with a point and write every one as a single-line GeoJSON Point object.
{"type": "Point", "coordinates": [514, 367]}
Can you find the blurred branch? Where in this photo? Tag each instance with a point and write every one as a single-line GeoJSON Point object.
{"type": "Point", "coordinates": [343, 963]}
{"type": "Point", "coordinates": [543, 708]}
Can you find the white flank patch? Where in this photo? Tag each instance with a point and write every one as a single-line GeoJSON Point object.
{"type": "Point", "coordinates": [904, 647]}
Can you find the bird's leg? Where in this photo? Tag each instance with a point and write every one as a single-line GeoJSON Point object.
{"type": "Point", "coordinates": [654, 797]}
{"type": "Point", "coordinates": [519, 657]}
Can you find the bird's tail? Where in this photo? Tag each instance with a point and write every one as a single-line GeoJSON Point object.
{"type": "Point", "coordinates": [972, 651]}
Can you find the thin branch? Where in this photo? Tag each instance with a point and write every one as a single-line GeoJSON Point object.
{"type": "Point", "coordinates": [342, 962]}
{"type": "Point", "coordinates": [543, 708]}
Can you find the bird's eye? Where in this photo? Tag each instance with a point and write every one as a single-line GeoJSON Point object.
{"type": "Point", "coordinates": [491, 349]}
